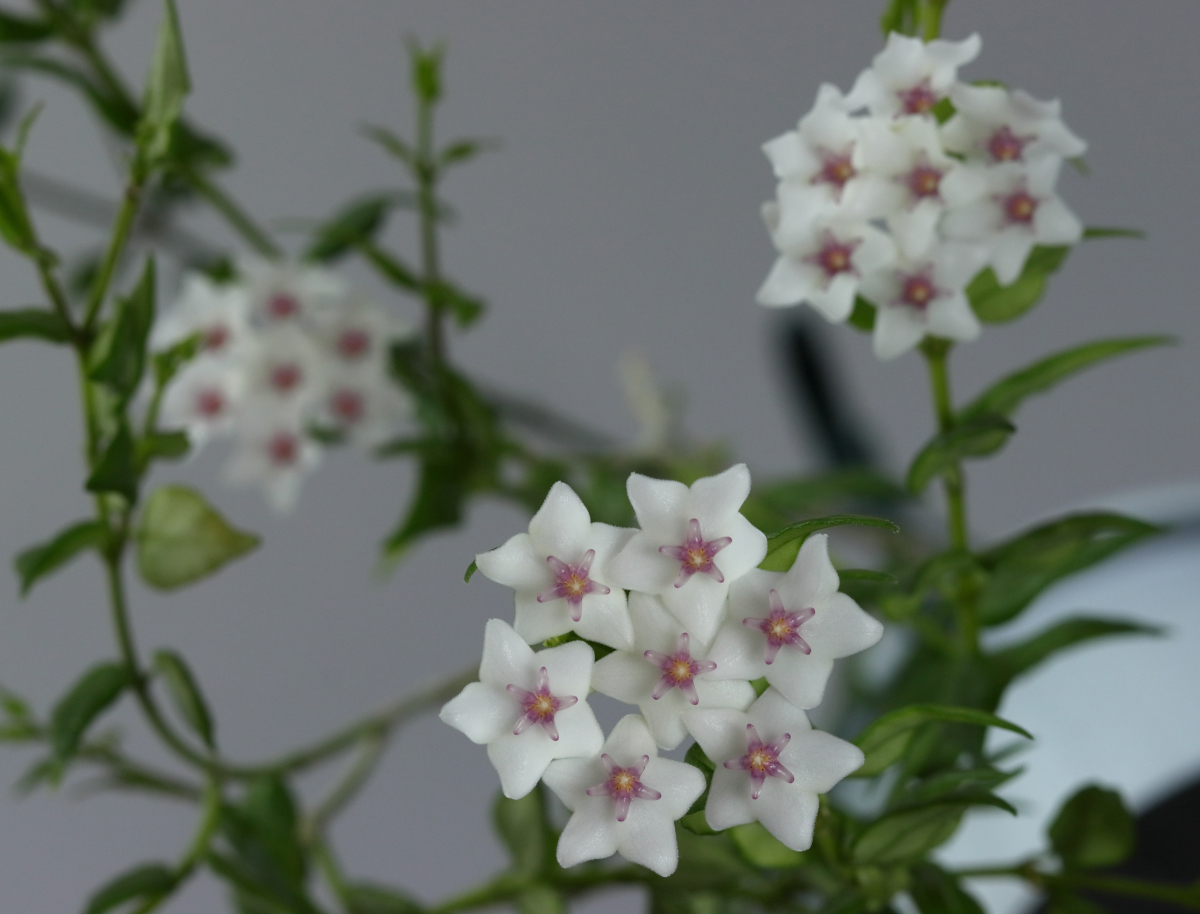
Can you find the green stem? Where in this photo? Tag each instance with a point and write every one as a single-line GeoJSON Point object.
{"type": "Point", "coordinates": [427, 175]}
{"type": "Point", "coordinates": [930, 21]}
{"type": "Point", "coordinates": [1186, 896]}
{"type": "Point", "coordinates": [122, 229]}
{"type": "Point", "coordinates": [332, 871]}
{"type": "Point", "coordinates": [237, 218]}
{"type": "Point", "coordinates": [936, 355]}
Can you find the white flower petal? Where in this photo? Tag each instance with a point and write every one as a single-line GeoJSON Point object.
{"type": "Point", "coordinates": [699, 605]}
{"type": "Point", "coordinates": [570, 779]}
{"type": "Point", "coordinates": [624, 677]}
{"type": "Point", "coordinates": [569, 667]}
{"type": "Point", "coordinates": [561, 525]}
{"type": "Point", "coordinates": [737, 651]}
{"type": "Point", "coordinates": [664, 716]}
{"type": "Point", "coordinates": [898, 329]}
{"type": "Point", "coordinates": [516, 564]}
{"type": "Point", "coordinates": [788, 814]}
{"type": "Point", "coordinates": [842, 628]}
{"type": "Point", "coordinates": [790, 282]}
{"type": "Point", "coordinates": [640, 566]}
{"type": "Point", "coordinates": [482, 712]}
{"type": "Point", "coordinates": [1055, 224]}
{"type": "Point", "coordinates": [951, 317]}
{"type": "Point", "coordinates": [800, 678]}
{"type": "Point", "coordinates": [819, 760]}
{"type": "Point", "coordinates": [812, 577]}
{"type": "Point", "coordinates": [630, 740]}
{"type": "Point", "coordinates": [658, 504]}
{"type": "Point", "coordinates": [679, 783]}
{"type": "Point", "coordinates": [721, 733]}
{"type": "Point", "coordinates": [604, 619]}
{"type": "Point", "coordinates": [590, 834]}
{"type": "Point", "coordinates": [716, 499]}
{"type": "Point", "coordinates": [521, 760]}
{"type": "Point", "coordinates": [1009, 250]}
{"type": "Point", "coordinates": [537, 622]}
{"type": "Point", "coordinates": [836, 300]}
{"type": "Point", "coordinates": [507, 659]}
{"type": "Point", "coordinates": [729, 802]}
{"type": "Point", "coordinates": [579, 733]}
{"type": "Point", "coordinates": [648, 837]}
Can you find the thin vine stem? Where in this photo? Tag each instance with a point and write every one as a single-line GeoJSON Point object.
{"type": "Point", "coordinates": [937, 356]}
{"type": "Point", "coordinates": [122, 230]}
{"type": "Point", "coordinates": [426, 173]}
{"type": "Point", "coordinates": [930, 24]}
{"type": "Point", "coordinates": [237, 218]}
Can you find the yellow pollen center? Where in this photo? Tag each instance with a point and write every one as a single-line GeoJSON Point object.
{"type": "Point", "coordinates": [543, 706]}
{"type": "Point", "coordinates": [623, 781]}
{"type": "Point", "coordinates": [1021, 208]}
{"type": "Point", "coordinates": [760, 760]}
{"type": "Point", "coordinates": [575, 585]}
{"type": "Point", "coordinates": [927, 183]}
{"type": "Point", "coordinates": [835, 261]}
{"type": "Point", "coordinates": [697, 557]}
{"type": "Point", "coordinates": [780, 628]}
{"type": "Point", "coordinates": [681, 670]}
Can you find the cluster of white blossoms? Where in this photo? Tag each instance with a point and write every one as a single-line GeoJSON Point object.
{"type": "Point", "coordinates": [692, 621]}
{"type": "Point", "coordinates": [878, 199]}
{"type": "Point", "coordinates": [283, 350]}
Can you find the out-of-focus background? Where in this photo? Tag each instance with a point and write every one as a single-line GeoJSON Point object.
{"type": "Point", "coordinates": [622, 211]}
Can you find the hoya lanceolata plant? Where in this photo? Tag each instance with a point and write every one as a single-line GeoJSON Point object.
{"type": "Point", "coordinates": [918, 204]}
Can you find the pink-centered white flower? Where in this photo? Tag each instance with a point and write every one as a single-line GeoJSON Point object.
{"type": "Point", "coordinates": [994, 125]}
{"type": "Point", "coordinates": [665, 672]}
{"type": "Point", "coordinates": [358, 333]}
{"type": "Point", "coordinates": [285, 293]}
{"type": "Point", "coordinates": [924, 296]}
{"type": "Point", "coordinates": [273, 453]}
{"type": "Point", "coordinates": [217, 312]}
{"type": "Point", "coordinates": [791, 626]}
{"type": "Point", "coordinates": [285, 370]}
{"type": "Point", "coordinates": [624, 800]}
{"type": "Point", "coordinates": [364, 404]}
{"type": "Point", "coordinates": [203, 400]}
{"type": "Point", "coordinates": [909, 76]}
{"type": "Point", "coordinates": [527, 708]}
{"type": "Point", "coordinates": [770, 767]}
{"type": "Point", "coordinates": [561, 572]}
{"type": "Point", "coordinates": [1019, 210]}
{"type": "Point", "coordinates": [692, 544]}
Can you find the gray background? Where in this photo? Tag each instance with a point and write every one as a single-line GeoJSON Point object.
{"type": "Point", "coordinates": [622, 210]}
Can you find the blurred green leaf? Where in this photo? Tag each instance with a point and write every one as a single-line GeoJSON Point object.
{"type": "Point", "coordinates": [181, 538]}
{"type": "Point", "coordinates": [520, 825]}
{"type": "Point", "coordinates": [33, 323]}
{"type": "Point", "coordinates": [863, 315]}
{"type": "Point", "coordinates": [1093, 829]}
{"type": "Point", "coordinates": [471, 569]}
{"type": "Point", "coordinates": [364, 898]}
{"type": "Point", "coordinates": [978, 437]}
{"type": "Point", "coordinates": [166, 87]}
{"type": "Point", "coordinates": [885, 741]}
{"type": "Point", "coordinates": [145, 883]}
{"type": "Point", "coordinates": [899, 16]}
{"type": "Point", "coordinates": [994, 303]}
{"type": "Point", "coordinates": [1098, 231]}
{"type": "Point", "coordinates": [162, 446]}
{"type": "Point", "coordinates": [393, 144]}
{"type": "Point", "coordinates": [463, 151]}
{"type": "Point", "coordinates": [118, 356]}
{"type": "Point", "coordinates": [784, 545]}
{"type": "Point", "coordinates": [38, 561]}
{"type": "Point", "coordinates": [541, 899]}
{"type": "Point", "coordinates": [1003, 397]}
{"type": "Point", "coordinates": [908, 834]}
{"type": "Point", "coordinates": [90, 696]}
{"type": "Point", "coordinates": [1022, 657]}
{"type": "Point", "coordinates": [112, 109]}
{"type": "Point", "coordinates": [117, 469]}
{"type": "Point", "coordinates": [426, 71]}
{"type": "Point", "coordinates": [20, 30]}
{"type": "Point", "coordinates": [185, 693]}
{"type": "Point", "coordinates": [934, 891]}
{"type": "Point", "coordinates": [865, 574]}
{"type": "Point", "coordinates": [167, 363]}
{"type": "Point", "coordinates": [465, 309]}
{"type": "Point", "coordinates": [763, 849]}
{"type": "Point", "coordinates": [15, 225]}
{"type": "Point", "coordinates": [358, 221]}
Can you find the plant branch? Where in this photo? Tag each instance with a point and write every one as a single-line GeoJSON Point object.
{"type": "Point", "coordinates": [237, 218]}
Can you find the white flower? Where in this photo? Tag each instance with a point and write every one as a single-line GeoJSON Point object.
{"type": "Point", "coordinates": [281, 292]}
{"type": "Point", "coordinates": [995, 125]}
{"type": "Point", "coordinates": [518, 689]}
{"type": "Point", "coordinates": [358, 332]}
{"type": "Point", "coordinates": [624, 801]}
{"type": "Point", "coordinates": [275, 453]}
{"type": "Point", "coordinates": [925, 296]}
{"type": "Point", "coordinates": [823, 267]}
{"type": "Point", "coordinates": [665, 673]}
{"type": "Point", "coordinates": [692, 544]}
{"type": "Point", "coordinates": [203, 400]}
{"type": "Point", "coordinates": [219, 313]}
{"type": "Point", "coordinates": [791, 626]}
{"type": "Point", "coordinates": [1019, 211]}
{"type": "Point", "coordinates": [285, 370]}
{"type": "Point", "coordinates": [561, 573]}
{"type": "Point", "coordinates": [365, 404]}
{"type": "Point", "coordinates": [770, 767]}
{"type": "Point", "coordinates": [909, 76]}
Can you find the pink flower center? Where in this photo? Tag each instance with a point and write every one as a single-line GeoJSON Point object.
{"type": "Point", "coordinates": [917, 291]}
{"type": "Point", "coordinates": [920, 99]}
{"type": "Point", "coordinates": [571, 583]}
{"type": "Point", "coordinates": [762, 761]}
{"type": "Point", "coordinates": [623, 785]}
{"type": "Point", "coordinates": [539, 706]}
{"type": "Point", "coordinates": [836, 169]}
{"type": "Point", "coordinates": [679, 669]}
{"type": "Point", "coordinates": [924, 181]}
{"type": "Point", "coordinates": [282, 306]}
{"type": "Point", "coordinates": [283, 448]}
{"type": "Point", "coordinates": [1019, 207]}
{"type": "Point", "coordinates": [696, 554]}
{"type": "Point", "coordinates": [210, 402]}
{"type": "Point", "coordinates": [782, 627]}
{"type": "Point", "coordinates": [835, 256]}
{"type": "Point", "coordinates": [215, 338]}
{"type": "Point", "coordinates": [286, 377]}
{"type": "Point", "coordinates": [353, 344]}
{"type": "Point", "coordinates": [347, 406]}
{"type": "Point", "coordinates": [1006, 146]}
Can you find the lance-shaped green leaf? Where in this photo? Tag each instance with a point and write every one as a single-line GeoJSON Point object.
{"type": "Point", "coordinates": [994, 303]}
{"type": "Point", "coordinates": [117, 469]}
{"type": "Point", "coordinates": [20, 30]}
{"type": "Point", "coordinates": [1022, 657]}
{"type": "Point", "coordinates": [1101, 231]}
{"type": "Point", "coordinates": [162, 446]}
{"type": "Point", "coordinates": [471, 569]}
{"type": "Point", "coordinates": [185, 693]}
{"type": "Point", "coordinates": [33, 324]}
{"type": "Point", "coordinates": [1093, 829]}
{"type": "Point", "coordinates": [1003, 397]}
{"type": "Point", "coordinates": [15, 225]}
{"type": "Point", "coordinates": [166, 87]}
{"type": "Point", "coordinates": [909, 834]}
{"type": "Point", "coordinates": [461, 151]}
{"type": "Point", "coordinates": [884, 742]}
{"type": "Point", "coordinates": [979, 437]}
{"type": "Point", "coordinates": [364, 898]}
{"type": "Point", "coordinates": [118, 356]}
{"type": "Point", "coordinates": [444, 296]}
{"type": "Point", "coordinates": [934, 891]}
{"type": "Point", "coordinates": [146, 883]}
{"type": "Point", "coordinates": [45, 558]}
{"type": "Point", "coordinates": [359, 221]}
{"type": "Point", "coordinates": [181, 538]}
{"type": "Point", "coordinates": [91, 695]}
{"type": "Point", "coordinates": [166, 364]}
{"type": "Point", "coordinates": [784, 545]}
{"type": "Point", "coordinates": [1023, 567]}
{"type": "Point", "coordinates": [393, 144]}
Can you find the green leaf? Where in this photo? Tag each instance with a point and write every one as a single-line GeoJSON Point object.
{"type": "Point", "coordinates": [166, 87]}
{"type": "Point", "coordinates": [863, 315]}
{"type": "Point", "coordinates": [471, 569]}
{"type": "Point", "coordinates": [994, 303]}
{"type": "Point", "coordinates": [463, 151]}
{"type": "Point", "coordinates": [19, 30]}
{"type": "Point", "coordinates": [784, 545]}
{"type": "Point", "coordinates": [1093, 829]}
{"type": "Point", "coordinates": [185, 692]}
{"type": "Point", "coordinates": [181, 538]}
{"type": "Point", "coordinates": [364, 898]}
{"type": "Point", "coordinates": [166, 364]}
{"type": "Point", "coordinates": [1023, 657]}
{"type": "Point", "coordinates": [118, 356]}
{"type": "Point", "coordinates": [441, 494]}
{"type": "Point", "coordinates": [957, 781]}
{"type": "Point", "coordinates": [885, 741]}
{"type": "Point", "coordinates": [899, 16]}
{"type": "Point", "coordinates": [697, 823]}
{"type": "Point", "coordinates": [91, 695]}
{"type": "Point", "coordinates": [911, 833]}
{"type": "Point", "coordinates": [426, 71]}
{"type": "Point", "coordinates": [760, 685]}
{"type": "Point", "coordinates": [697, 759]}
{"type": "Point", "coordinates": [38, 561]}
{"type": "Point", "coordinates": [865, 574]}
{"type": "Point", "coordinates": [148, 882]}
{"type": "Point", "coordinates": [117, 470]}
{"type": "Point", "coordinates": [1026, 565]}
{"type": "Point", "coordinates": [541, 899]}
{"type": "Point", "coordinates": [393, 144]}
{"type": "Point", "coordinates": [1097, 231]}
{"type": "Point", "coordinates": [15, 225]}
{"type": "Point", "coordinates": [979, 437]}
{"type": "Point", "coordinates": [360, 220]}
{"type": "Point", "coordinates": [519, 823]}
{"type": "Point", "coordinates": [444, 296]}
{"type": "Point", "coordinates": [1003, 397]}
{"type": "Point", "coordinates": [162, 446]}
{"type": "Point", "coordinates": [934, 891]}
{"type": "Point", "coordinates": [763, 849]}
{"type": "Point", "coordinates": [33, 323]}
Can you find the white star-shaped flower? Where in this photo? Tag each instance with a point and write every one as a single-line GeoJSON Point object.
{"type": "Point", "coordinates": [365, 404]}
{"type": "Point", "coordinates": [791, 626]}
{"type": "Point", "coordinates": [282, 293]}
{"type": "Point", "coordinates": [624, 801]}
{"type": "Point", "coordinates": [770, 767]}
{"type": "Point", "coordinates": [219, 313]}
{"type": "Point", "coordinates": [275, 453]}
{"type": "Point", "coordinates": [994, 125]}
{"type": "Point", "coordinates": [924, 296]}
{"type": "Point", "coordinates": [285, 371]}
{"type": "Point", "coordinates": [204, 399]}
{"type": "Point", "coordinates": [691, 545]}
{"type": "Point", "coordinates": [665, 673]}
{"type": "Point", "coordinates": [561, 572]}
{"type": "Point", "coordinates": [528, 708]}
{"type": "Point", "coordinates": [1019, 211]}
{"type": "Point", "coordinates": [910, 76]}
{"type": "Point", "coordinates": [358, 332]}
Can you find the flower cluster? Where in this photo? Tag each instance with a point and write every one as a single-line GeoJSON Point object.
{"type": "Point", "coordinates": [283, 351]}
{"type": "Point", "coordinates": [690, 621]}
{"type": "Point", "coordinates": [904, 189]}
